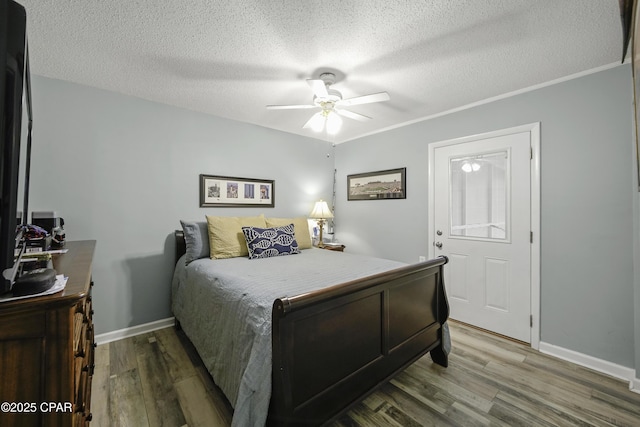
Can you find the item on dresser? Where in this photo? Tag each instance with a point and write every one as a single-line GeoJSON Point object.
{"type": "Point", "coordinates": [36, 238]}
{"type": "Point", "coordinates": [49, 220]}
{"type": "Point", "coordinates": [34, 260]}
{"type": "Point", "coordinates": [58, 286]}
{"type": "Point", "coordinates": [53, 224]}
{"type": "Point", "coordinates": [58, 237]}
{"type": "Point", "coordinates": [34, 282]}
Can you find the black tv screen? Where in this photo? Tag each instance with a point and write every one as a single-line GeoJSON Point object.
{"type": "Point", "coordinates": [15, 136]}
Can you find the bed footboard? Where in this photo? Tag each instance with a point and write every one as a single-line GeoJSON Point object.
{"type": "Point", "coordinates": [333, 347]}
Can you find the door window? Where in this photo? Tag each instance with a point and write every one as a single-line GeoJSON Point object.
{"type": "Point", "coordinates": [479, 196]}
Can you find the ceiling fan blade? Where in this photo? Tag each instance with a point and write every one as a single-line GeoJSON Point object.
{"type": "Point", "coordinates": [366, 99]}
{"type": "Point", "coordinates": [289, 107]}
{"type": "Point", "coordinates": [352, 115]}
{"type": "Point", "coordinates": [319, 88]}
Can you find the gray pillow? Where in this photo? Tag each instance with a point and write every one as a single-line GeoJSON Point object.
{"type": "Point", "coordinates": [196, 237]}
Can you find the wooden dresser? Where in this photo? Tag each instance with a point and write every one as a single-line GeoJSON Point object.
{"type": "Point", "coordinates": [47, 349]}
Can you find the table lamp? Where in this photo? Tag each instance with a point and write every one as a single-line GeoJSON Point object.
{"type": "Point", "coordinates": [321, 213]}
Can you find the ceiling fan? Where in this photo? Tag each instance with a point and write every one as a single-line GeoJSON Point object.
{"type": "Point", "coordinates": [330, 102]}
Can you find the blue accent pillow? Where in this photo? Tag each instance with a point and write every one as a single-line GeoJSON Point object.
{"type": "Point", "coordinates": [270, 242]}
{"type": "Point", "coordinates": [196, 237]}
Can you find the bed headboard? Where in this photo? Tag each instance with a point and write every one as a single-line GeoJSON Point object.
{"type": "Point", "coordinates": [181, 246]}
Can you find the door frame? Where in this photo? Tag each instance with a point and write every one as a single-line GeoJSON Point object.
{"type": "Point", "coordinates": [534, 180]}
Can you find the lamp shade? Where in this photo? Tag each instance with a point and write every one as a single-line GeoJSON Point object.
{"type": "Point", "coordinates": [321, 211]}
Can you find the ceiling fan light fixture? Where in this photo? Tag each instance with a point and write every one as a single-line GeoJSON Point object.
{"type": "Point", "coordinates": [470, 167]}
{"type": "Point", "coordinates": [334, 123]}
{"type": "Point", "coordinates": [317, 122]}
{"type": "Point", "coordinates": [330, 118]}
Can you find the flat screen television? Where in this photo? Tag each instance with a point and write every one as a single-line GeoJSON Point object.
{"type": "Point", "coordinates": [15, 137]}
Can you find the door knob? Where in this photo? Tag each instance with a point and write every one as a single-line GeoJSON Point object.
{"type": "Point", "coordinates": [438, 245]}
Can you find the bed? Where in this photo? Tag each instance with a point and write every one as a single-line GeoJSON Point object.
{"type": "Point", "coordinates": [302, 347]}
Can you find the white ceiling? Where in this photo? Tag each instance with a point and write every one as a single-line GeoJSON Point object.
{"type": "Point", "coordinates": [232, 58]}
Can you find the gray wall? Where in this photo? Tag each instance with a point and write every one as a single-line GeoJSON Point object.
{"type": "Point", "coordinates": [587, 196]}
{"type": "Point", "coordinates": [124, 171]}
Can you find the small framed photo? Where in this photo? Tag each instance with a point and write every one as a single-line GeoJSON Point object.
{"type": "Point", "coordinates": [387, 184]}
{"type": "Point", "coordinates": [226, 191]}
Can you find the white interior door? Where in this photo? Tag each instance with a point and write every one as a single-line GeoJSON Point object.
{"type": "Point", "coordinates": [482, 222]}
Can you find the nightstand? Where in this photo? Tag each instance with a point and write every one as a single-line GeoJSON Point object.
{"type": "Point", "coordinates": [339, 248]}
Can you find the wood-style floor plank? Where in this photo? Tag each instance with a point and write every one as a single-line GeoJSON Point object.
{"type": "Point", "coordinates": [100, 388]}
{"type": "Point", "coordinates": [160, 397]}
{"type": "Point", "coordinates": [127, 407]}
{"type": "Point", "coordinates": [159, 379]}
{"type": "Point", "coordinates": [200, 410]}
{"type": "Point", "coordinates": [174, 354]}
{"type": "Point", "coordinates": [122, 356]}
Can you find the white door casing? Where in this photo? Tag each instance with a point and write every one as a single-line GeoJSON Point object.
{"type": "Point", "coordinates": [484, 215]}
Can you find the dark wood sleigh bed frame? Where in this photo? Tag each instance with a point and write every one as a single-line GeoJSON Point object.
{"type": "Point", "coordinates": [333, 347]}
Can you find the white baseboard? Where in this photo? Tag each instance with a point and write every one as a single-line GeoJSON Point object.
{"type": "Point", "coordinates": [134, 330]}
{"type": "Point", "coordinates": [611, 369]}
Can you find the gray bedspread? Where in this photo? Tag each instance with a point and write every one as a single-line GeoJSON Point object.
{"type": "Point", "coordinates": [224, 307]}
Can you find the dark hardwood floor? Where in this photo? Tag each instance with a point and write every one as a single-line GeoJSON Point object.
{"type": "Point", "coordinates": [157, 379]}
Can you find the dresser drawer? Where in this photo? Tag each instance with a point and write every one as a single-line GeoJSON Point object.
{"type": "Point", "coordinates": [83, 392]}
{"type": "Point", "coordinates": [79, 334]}
{"type": "Point", "coordinates": [85, 307]}
{"type": "Point", "coordinates": [84, 362]}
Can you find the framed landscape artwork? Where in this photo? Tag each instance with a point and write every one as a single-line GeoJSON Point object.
{"type": "Point", "coordinates": [225, 191]}
{"type": "Point", "coordinates": [387, 184]}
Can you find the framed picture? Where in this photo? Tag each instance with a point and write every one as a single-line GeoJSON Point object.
{"type": "Point", "coordinates": [225, 191]}
{"type": "Point", "coordinates": [389, 184]}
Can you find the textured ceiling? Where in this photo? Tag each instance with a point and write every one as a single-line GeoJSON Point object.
{"type": "Point", "coordinates": [232, 58]}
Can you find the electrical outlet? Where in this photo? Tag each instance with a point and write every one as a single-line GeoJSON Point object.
{"type": "Point", "coordinates": [422, 258]}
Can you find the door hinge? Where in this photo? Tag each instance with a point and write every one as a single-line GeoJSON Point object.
{"type": "Point", "coordinates": [531, 321]}
{"type": "Point", "coordinates": [531, 237]}
{"type": "Point", "coordinates": [531, 152]}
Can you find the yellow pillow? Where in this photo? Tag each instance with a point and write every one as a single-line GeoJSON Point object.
{"type": "Point", "coordinates": [225, 235]}
{"type": "Point", "coordinates": [300, 226]}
